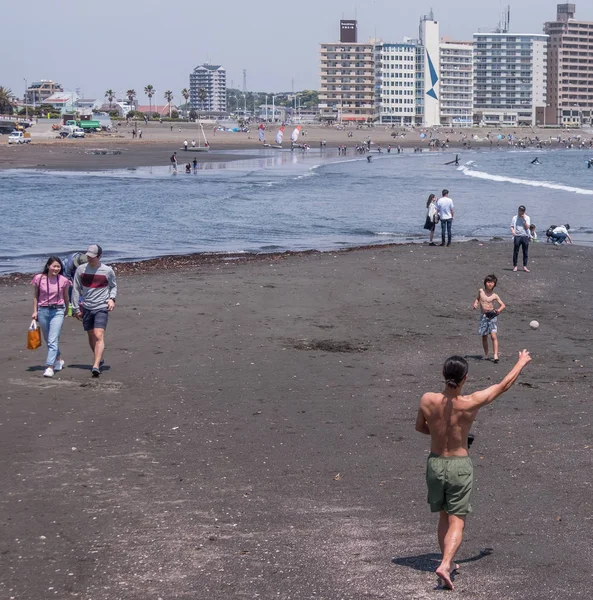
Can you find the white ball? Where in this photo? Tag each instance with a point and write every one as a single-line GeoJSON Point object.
{"type": "Point", "coordinates": [534, 324]}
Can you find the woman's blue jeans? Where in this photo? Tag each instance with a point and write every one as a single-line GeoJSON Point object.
{"type": "Point", "coordinates": [50, 321]}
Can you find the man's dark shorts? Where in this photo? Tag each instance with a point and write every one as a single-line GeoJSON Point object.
{"type": "Point", "coordinates": [449, 480]}
{"type": "Point", "coordinates": [94, 320]}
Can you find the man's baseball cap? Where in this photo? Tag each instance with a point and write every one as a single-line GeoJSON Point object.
{"type": "Point", "coordinates": [94, 250]}
{"type": "Point", "coordinates": [520, 208]}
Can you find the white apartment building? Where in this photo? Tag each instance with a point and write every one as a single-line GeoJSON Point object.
{"type": "Point", "coordinates": [510, 74]}
{"type": "Point", "coordinates": [457, 93]}
{"type": "Point", "coordinates": [395, 83]}
{"type": "Point", "coordinates": [207, 88]}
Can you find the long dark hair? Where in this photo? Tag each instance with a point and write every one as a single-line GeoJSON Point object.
{"type": "Point", "coordinates": [454, 370]}
{"type": "Point", "coordinates": [51, 260]}
{"type": "Point", "coordinates": [430, 199]}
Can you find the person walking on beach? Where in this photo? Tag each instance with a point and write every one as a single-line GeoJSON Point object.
{"type": "Point", "coordinates": [51, 301]}
{"type": "Point", "coordinates": [489, 314]}
{"type": "Point", "coordinates": [432, 217]}
{"type": "Point", "coordinates": [195, 165]}
{"type": "Point", "coordinates": [447, 417]}
{"type": "Point", "coordinates": [445, 209]}
{"type": "Point", "coordinates": [174, 161]}
{"type": "Point", "coordinates": [521, 237]}
{"type": "Point", "coordinates": [95, 282]}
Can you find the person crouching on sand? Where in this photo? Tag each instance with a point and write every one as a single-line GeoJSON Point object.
{"type": "Point", "coordinates": [447, 418]}
{"type": "Point", "coordinates": [51, 300]}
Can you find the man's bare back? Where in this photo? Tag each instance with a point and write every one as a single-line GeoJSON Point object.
{"type": "Point", "coordinates": [449, 419]}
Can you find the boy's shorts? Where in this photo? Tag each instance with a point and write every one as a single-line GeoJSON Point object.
{"type": "Point", "coordinates": [94, 320]}
{"type": "Point", "coordinates": [487, 325]}
{"type": "Point", "coordinates": [449, 480]}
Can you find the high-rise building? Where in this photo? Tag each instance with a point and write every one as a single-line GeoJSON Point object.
{"type": "Point", "coordinates": [395, 83]}
{"type": "Point", "coordinates": [347, 82]}
{"type": "Point", "coordinates": [207, 88]}
{"type": "Point", "coordinates": [570, 70]}
{"type": "Point", "coordinates": [510, 73]}
{"type": "Point", "coordinates": [457, 80]}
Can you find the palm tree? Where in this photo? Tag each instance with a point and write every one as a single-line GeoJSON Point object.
{"type": "Point", "coordinates": [202, 95]}
{"type": "Point", "coordinates": [149, 91]}
{"type": "Point", "coordinates": [131, 94]}
{"type": "Point", "coordinates": [185, 94]}
{"type": "Point", "coordinates": [6, 100]}
{"type": "Point", "coordinates": [110, 95]}
{"type": "Point", "coordinates": [168, 98]}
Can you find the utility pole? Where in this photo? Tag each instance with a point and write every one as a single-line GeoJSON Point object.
{"type": "Point", "coordinates": [25, 99]}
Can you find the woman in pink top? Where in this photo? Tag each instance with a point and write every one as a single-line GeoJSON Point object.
{"type": "Point", "coordinates": [50, 304]}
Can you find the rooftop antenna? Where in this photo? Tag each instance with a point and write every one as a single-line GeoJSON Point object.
{"type": "Point", "coordinates": [505, 21]}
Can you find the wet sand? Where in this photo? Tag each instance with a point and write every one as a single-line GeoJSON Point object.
{"type": "Point", "coordinates": [159, 142]}
{"type": "Point", "coordinates": [253, 433]}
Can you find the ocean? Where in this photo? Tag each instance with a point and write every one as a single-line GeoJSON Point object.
{"type": "Point", "coordinates": [286, 201]}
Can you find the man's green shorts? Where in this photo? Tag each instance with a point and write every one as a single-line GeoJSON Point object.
{"type": "Point", "coordinates": [449, 480]}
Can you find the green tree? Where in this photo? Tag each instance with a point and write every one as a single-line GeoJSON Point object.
{"type": "Point", "coordinates": [110, 95]}
{"type": "Point", "coordinates": [168, 97]}
{"type": "Point", "coordinates": [149, 91]}
{"type": "Point", "coordinates": [185, 93]}
{"type": "Point", "coordinates": [202, 96]}
{"type": "Point", "coordinates": [6, 106]}
{"type": "Point", "coordinates": [131, 94]}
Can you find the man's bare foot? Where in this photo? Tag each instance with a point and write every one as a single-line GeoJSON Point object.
{"type": "Point", "coordinates": [515, 269]}
{"type": "Point", "coordinates": [445, 578]}
{"type": "Point", "coordinates": [526, 269]}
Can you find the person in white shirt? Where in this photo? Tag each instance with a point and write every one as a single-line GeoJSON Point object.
{"type": "Point", "coordinates": [445, 209]}
{"type": "Point", "coordinates": [560, 234]}
{"type": "Point", "coordinates": [521, 237]}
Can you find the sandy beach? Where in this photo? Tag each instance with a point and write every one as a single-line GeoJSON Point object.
{"type": "Point", "coordinates": [253, 433]}
{"type": "Point", "coordinates": [159, 141]}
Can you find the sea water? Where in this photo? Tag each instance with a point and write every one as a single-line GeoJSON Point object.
{"type": "Point", "coordinates": [286, 201]}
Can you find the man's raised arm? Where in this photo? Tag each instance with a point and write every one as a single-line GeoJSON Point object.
{"type": "Point", "coordinates": [490, 394]}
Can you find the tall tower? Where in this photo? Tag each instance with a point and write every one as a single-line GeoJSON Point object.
{"type": "Point", "coordinates": [430, 40]}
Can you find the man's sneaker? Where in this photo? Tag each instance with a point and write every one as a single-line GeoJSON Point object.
{"type": "Point", "coordinates": [49, 372]}
{"type": "Point", "coordinates": [59, 365]}
{"type": "Point", "coordinates": [95, 371]}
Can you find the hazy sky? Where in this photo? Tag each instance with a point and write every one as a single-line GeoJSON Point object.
{"type": "Point", "coordinates": [95, 46]}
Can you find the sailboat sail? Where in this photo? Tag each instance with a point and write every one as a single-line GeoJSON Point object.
{"type": "Point", "coordinates": [280, 135]}
{"type": "Point", "coordinates": [295, 134]}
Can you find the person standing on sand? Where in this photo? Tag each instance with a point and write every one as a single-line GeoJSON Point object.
{"type": "Point", "coordinates": [174, 161]}
{"type": "Point", "coordinates": [447, 417]}
{"type": "Point", "coordinates": [95, 282]}
{"type": "Point", "coordinates": [521, 237]}
{"type": "Point", "coordinates": [51, 300]}
{"type": "Point", "coordinates": [432, 217]}
{"type": "Point", "coordinates": [445, 209]}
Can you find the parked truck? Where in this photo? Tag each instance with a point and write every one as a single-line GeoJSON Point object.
{"type": "Point", "coordinates": [19, 137]}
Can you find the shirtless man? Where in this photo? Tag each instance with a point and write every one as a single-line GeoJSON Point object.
{"type": "Point", "coordinates": [447, 417]}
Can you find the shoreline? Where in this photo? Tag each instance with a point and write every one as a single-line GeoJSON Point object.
{"type": "Point", "coordinates": [158, 143]}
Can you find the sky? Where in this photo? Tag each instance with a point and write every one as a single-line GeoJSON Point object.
{"type": "Point", "coordinates": [95, 46]}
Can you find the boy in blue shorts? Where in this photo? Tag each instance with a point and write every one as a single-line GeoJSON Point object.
{"type": "Point", "coordinates": [489, 314]}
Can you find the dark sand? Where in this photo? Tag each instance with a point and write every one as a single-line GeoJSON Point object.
{"type": "Point", "coordinates": [253, 435]}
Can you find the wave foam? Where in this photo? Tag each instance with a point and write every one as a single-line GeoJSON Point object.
{"type": "Point", "coordinates": [467, 170]}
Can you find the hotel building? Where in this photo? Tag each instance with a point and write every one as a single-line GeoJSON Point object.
{"type": "Point", "coordinates": [510, 74]}
{"type": "Point", "coordinates": [347, 91]}
{"type": "Point", "coordinates": [457, 94]}
{"type": "Point", "coordinates": [570, 70]}
{"type": "Point", "coordinates": [207, 88]}
{"type": "Point", "coordinates": [395, 83]}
